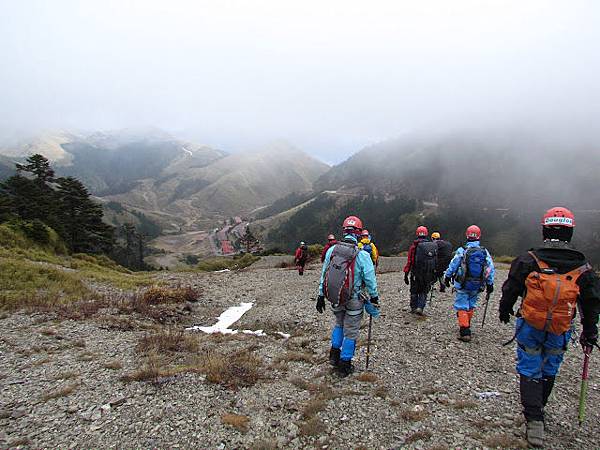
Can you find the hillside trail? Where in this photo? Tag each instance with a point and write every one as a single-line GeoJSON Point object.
{"type": "Point", "coordinates": [426, 389]}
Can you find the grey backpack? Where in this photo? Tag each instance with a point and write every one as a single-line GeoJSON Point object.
{"type": "Point", "coordinates": [339, 276]}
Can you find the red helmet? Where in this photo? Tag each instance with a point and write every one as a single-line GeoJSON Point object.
{"type": "Point", "coordinates": [473, 232]}
{"type": "Point", "coordinates": [352, 223]}
{"type": "Point", "coordinates": [422, 231]}
{"type": "Point", "coordinates": [365, 233]}
{"type": "Point", "coordinates": [331, 237]}
{"type": "Point", "coordinates": [558, 217]}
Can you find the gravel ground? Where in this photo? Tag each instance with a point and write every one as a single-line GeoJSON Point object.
{"type": "Point", "coordinates": [60, 381]}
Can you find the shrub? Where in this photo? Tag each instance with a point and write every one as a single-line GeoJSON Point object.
{"type": "Point", "coordinates": [315, 250]}
{"type": "Point", "coordinates": [167, 340]}
{"type": "Point", "coordinates": [238, 370]}
{"type": "Point", "coordinates": [221, 263]}
{"type": "Point", "coordinates": [236, 421]}
{"type": "Point", "coordinates": [158, 295]}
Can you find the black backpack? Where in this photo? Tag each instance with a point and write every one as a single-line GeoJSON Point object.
{"type": "Point", "coordinates": [425, 261]}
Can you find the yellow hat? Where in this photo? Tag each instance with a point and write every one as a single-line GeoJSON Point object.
{"type": "Point", "coordinates": [435, 235]}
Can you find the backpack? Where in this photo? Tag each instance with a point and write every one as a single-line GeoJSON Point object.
{"type": "Point", "coordinates": [425, 260]}
{"type": "Point", "coordinates": [338, 283]}
{"type": "Point", "coordinates": [472, 272]}
{"type": "Point", "coordinates": [550, 298]}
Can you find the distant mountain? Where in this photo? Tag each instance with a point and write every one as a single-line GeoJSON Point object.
{"type": "Point", "coordinates": [174, 183]}
{"type": "Point", "coordinates": [502, 181]}
{"type": "Point", "coordinates": [7, 167]}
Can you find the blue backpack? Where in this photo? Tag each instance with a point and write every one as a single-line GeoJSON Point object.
{"type": "Point", "coordinates": [367, 248]}
{"type": "Point", "coordinates": [472, 273]}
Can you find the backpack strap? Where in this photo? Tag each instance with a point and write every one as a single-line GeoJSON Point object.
{"type": "Point", "coordinates": [541, 264]}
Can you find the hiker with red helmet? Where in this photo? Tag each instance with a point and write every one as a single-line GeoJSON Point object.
{"type": "Point", "coordinates": [346, 271]}
{"type": "Point", "coordinates": [300, 257]}
{"type": "Point", "coordinates": [472, 270]}
{"type": "Point", "coordinates": [419, 271]}
{"type": "Point", "coordinates": [331, 241]}
{"type": "Point", "coordinates": [369, 246]}
{"type": "Point", "coordinates": [553, 281]}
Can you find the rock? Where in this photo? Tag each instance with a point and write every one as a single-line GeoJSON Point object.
{"type": "Point", "coordinates": [18, 413]}
{"type": "Point", "coordinates": [117, 401]}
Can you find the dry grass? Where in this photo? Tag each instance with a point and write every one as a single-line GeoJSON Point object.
{"type": "Point", "coordinates": [381, 391]}
{"type": "Point", "coordinates": [236, 421]}
{"type": "Point", "coordinates": [300, 383]}
{"type": "Point", "coordinates": [504, 441]}
{"type": "Point", "coordinates": [465, 404]}
{"type": "Point", "coordinates": [18, 442]}
{"type": "Point", "coordinates": [80, 343]}
{"type": "Point", "coordinates": [41, 362]}
{"type": "Point", "coordinates": [159, 295]}
{"type": "Point", "coordinates": [313, 407]}
{"type": "Point", "coordinates": [62, 392]}
{"type": "Point", "coordinates": [367, 377]}
{"type": "Point", "coordinates": [114, 364]}
{"type": "Point", "coordinates": [312, 427]}
{"type": "Point", "coordinates": [412, 415]}
{"type": "Point", "coordinates": [167, 340]}
{"type": "Point", "coordinates": [119, 323]}
{"type": "Point", "coordinates": [152, 370]}
{"type": "Point", "coordinates": [418, 436]}
{"type": "Point", "coordinates": [241, 369]}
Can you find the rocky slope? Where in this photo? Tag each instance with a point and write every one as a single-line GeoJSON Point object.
{"type": "Point", "coordinates": [61, 380]}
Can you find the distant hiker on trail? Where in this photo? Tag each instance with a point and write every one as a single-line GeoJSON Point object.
{"type": "Point", "coordinates": [472, 270]}
{"type": "Point", "coordinates": [300, 257]}
{"type": "Point", "coordinates": [331, 241]}
{"type": "Point", "coordinates": [346, 271]}
{"type": "Point", "coordinates": [444, 256]}
{"type": "Point", "coordinates": [420, 267]}
{"type": "Point", "coordinates": [553, 280]}
{"type": "Point", "coordinates": [367, 245]}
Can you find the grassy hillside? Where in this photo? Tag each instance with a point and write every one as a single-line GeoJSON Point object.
{"type": "Point", "coordinates": [34, 275]}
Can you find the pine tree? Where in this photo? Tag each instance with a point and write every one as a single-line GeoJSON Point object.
{"type": "Point", "coordinates": [39, 167]}
{"type": "Point", "coordinates": [84, 230]}
{"type": "Point", "coordinates": [248, 241]}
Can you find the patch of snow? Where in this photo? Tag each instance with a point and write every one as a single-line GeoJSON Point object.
{"type": "Point", "coordinates": [226, 319]}
{"type": "Point", "coordinates": [255, 333]}
{"type": "Point", "coordinates": [222, 270]}
{"type": "Point", "coordinates": [283, 335]}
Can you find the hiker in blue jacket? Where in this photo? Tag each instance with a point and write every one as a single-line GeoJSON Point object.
{"type": "Point", "coordinates": [473, 271]}
{"type": "Point", "coordinates": [347, 303]}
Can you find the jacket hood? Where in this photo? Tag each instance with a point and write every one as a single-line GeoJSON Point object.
{"type": "Point", "coordinates": [562, 257]}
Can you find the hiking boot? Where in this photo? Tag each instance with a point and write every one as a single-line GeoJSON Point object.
{"type": "Point", "coordinates": [535, 433]}
{"type": "Point", "coordinates": [419, 311]}
{"type": "Point", "coordinates": [466, 338]}
{"type": "Point", "coordinates": [334, 356]}
{"type": "Point", "coordinates": [345, 368]}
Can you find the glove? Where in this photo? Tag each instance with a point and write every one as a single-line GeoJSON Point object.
{"type": "Point", "coordinates": [372, 309]}
{"type": "Point", "coordinates": [505, 316]}
{"type": "Point", "coordinates": [588, 340]}
{"type": "Point", "coordinates": [375, 301]}
{"type": "Point", "coordinates": [406, 280]}
{"type": "Point", "coordinates": [320, 304]}
{"type": "Point", "coordinates": [489, 288]}
{"type": "Point", "coordinates": [447, 281]}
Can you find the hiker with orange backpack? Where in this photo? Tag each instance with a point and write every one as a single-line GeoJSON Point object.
{"type": "Point", "coordinates": [419, 271]}
{"type": "Point", "coordinates": [473, 272]}
{"type": "Point", "coordinates": [346, 271]}
{"type": "Point", "coordinates": [331, 241]}
{"type": "Point", "coordinates": [553, 280]}
{"type": "Point", "coordinates": [300, 257]}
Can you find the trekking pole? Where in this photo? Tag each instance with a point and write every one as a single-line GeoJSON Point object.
{"type": "Point", "coordinates": [369, 341]}
{"type": "Point", "coordinates": [487, 302]}
{"type": "Point", "coordinates": [584, 383]}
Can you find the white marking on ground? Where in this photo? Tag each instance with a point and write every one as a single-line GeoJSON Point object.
{"type": "Point", "coordinates": [226, 319]}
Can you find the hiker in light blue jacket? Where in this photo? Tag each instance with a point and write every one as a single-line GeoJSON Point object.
{"type": "Point", "coordinates": [346, 263]}
{"type": "Point", "coordinates": [473, 271]}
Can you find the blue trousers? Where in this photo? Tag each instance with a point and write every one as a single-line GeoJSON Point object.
{"type": "Point", "coordinates": [465, 300]}
{"type": "Point", "coordinates": [539, 353]}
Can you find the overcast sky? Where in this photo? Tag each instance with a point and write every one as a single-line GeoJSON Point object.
{"type": "Point", "coordinates": [329, 76]}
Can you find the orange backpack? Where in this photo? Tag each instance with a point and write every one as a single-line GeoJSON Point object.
{"type": "Point", "coordinates": [551, 298]}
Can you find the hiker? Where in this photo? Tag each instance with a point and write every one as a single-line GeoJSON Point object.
{"type": "Point", "coordinates": [444, 255]}
{"type": "Point", "coordinates": [345, 272]}
{"type": "Point", "coordinates": [553, 281]}
{"type": "Point", "coordinates": [330, 242]}
{"type": "Point", "coordinates": [472, 270]}
{"type": "Point", "coordinates": [300, 257]}
{"type": "Point", "coordinates": [367, 245]}
{"type": "Point", "coordinates": [419, 271]}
